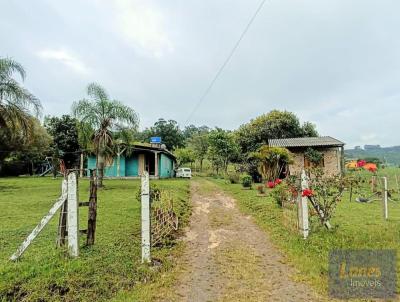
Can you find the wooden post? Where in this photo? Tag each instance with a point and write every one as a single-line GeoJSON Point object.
{"type": "Point", "coordinates": [81, 166]}
{"type": "Point", "coordinates": [21, 249]}
{"type": "Point", "coordinates": [303, 207]}
{"type": "Point", "coordinates": [373, 184]}
{"type": "Point", "coordinates": [385, 198]}
{"type": "Point", "coordinates": [145, 217]}
{"type": "Point", "coordinates": [62, 224]}
{"type": "Point", "coordinates": [73, 217]}
{"type": "Point", "coordinates": [92, 209]}
{"type": "Point", "coordinates": [351, 191]}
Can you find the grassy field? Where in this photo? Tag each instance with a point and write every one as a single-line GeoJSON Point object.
{"type": "Point", "coordinates": [356, 226]}
{"type": "Point", "coordinates": [102, 272]}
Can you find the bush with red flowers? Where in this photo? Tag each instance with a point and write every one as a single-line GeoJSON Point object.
{"type": "Point", "coordinates": [278, 181]}
{"type": "Point", "coordinates": [281, 193]}
{"type": "Point", "coordinates": [270, 184]}
{"type": "Point", "coordinates": [361, 163]}
{"type": "Point", "coordinates": [307, 193]}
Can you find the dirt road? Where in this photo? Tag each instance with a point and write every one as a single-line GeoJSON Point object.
{"type": "Point", "coordinates": [228, 258]}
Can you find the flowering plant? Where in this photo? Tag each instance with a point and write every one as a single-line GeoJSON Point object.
{"type": "Point", "coordinates": [278, 181]}
{"type": "Point", "coordinates": [281, 193]}
{"type": "Point", "coordinates": [326, 192]}
{"type": "Point", "coordinates": [307, 193]}
{"type": "Point", "coordinates": [361, 163]}
{"type": "Point", "coordinates": [270, 184]}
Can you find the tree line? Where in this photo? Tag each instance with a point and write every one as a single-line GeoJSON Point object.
{"type": "Point", "coordinates": [98, 124]}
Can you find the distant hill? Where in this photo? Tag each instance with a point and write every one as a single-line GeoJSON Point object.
{"type": "Point", "coordinates": [389, 155]}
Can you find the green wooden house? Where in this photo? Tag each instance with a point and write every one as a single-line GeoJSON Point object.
{"type": "Point", "coordinates": [153, 158]}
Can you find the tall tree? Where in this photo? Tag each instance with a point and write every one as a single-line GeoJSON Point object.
{"type": "Point", "coordinates": [309, 130]}
{"type": "Point", "coordinates": [222, 148]}
{"type": "Point", "coordinates": [22, 152]}
{"type": "Point", "coordinates": [103, 115]}
{"type": "Point", "coordinates": [169, 131]}
{"type": "Point", "coordinates": [192, 130]}
{"type": "Point", "coordinates": [184, 156]}
{"type": "Point", "coordinates": [64, 131]}
{"type": "Point", "coordinates": [199, 143]}
{"type": "Point", "coordinates": [275, 124]}
{"type": "Point", "coordinates": [16, 102]}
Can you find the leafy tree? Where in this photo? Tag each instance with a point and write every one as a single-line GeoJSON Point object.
{"type": "Point", "coordinates": [64, 131]}
{"type": "Point", "coordinates": [22, 152]}
{"type": "Point", "coordinates": [191, 131]}
{"type": "Point", "coordinates": [16, 102]}
{"type": "Point", "coordinates": [103, 115]}
{"type": "Point", "coordinates": [200, 143]}
{"type": "Point", "coordinates": [309, 130]}
{"type": "Point", "coordinates": [169, 131]}
{"type": "Point", "coordinates": [222, 148]}
{"type": "Point", "coordinates": [184, 156]}
{"type": "Point", "coordinates": [275, 124]}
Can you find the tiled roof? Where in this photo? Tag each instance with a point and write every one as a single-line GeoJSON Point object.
{"type": "Point", "coordinates": [321, 141]}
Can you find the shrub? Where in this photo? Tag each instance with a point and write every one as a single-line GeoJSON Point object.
{"type": "Point", "coordinates": [261, 189]}
{"type": "Point", "coordinates": [314, 156]}
{"type": "Point", "coordinates": [233, 178]}
{"type": "Point", "coordinates": [281, 193]}
{"type": "Point", "coordinates": [246, 181]}
{"type": "Point", "coordinates": [325, 192]}
{"type": "Point", "coordinates": [155, 193]}
{"type": "Point", "coordinates": [272, 161]}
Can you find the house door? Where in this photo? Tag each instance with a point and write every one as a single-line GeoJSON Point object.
{"type": "Point", "coordinates": [150, 163]}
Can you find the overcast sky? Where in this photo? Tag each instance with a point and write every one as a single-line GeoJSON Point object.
{"type": "Point", "coordinates": [333, 62]}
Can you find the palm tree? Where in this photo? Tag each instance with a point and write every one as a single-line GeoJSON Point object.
{"type": "Point", "coordinates": [16, 102]}
{"type": "Point", "coordinates": [103, 115]}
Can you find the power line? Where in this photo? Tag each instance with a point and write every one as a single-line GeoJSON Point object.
{"type": "Point", "coordinates": [226, 61]}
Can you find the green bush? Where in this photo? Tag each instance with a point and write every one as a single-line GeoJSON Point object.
{"type": "Point", "coordinates": [281, 193]}
{"type": "Point", "coordinates": [233, 178]}
{"type": "Point", "coordinates": [155, 193]}
{"type": "Point", "coordinates": [246, 181]}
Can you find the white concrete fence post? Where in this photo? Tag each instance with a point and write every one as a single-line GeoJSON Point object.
{"type": "Point", "coordinates": [303, 207]}
{"type": "Point", "coordinates": [145, 213]}
{"type": "Point", "coordinates": [385, 198]}
{"type": "Point", "coordinates": [73, 216]}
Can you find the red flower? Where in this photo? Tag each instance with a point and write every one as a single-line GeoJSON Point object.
{"type": "Point", "coordinates": [361, 163]}
{"type": "Point", "coordinates": [278, 181]}
{"type": "Point", "coordinates": [372, 169]}
{"type": "Point", "coordinates": [271, 184]}
{"type": "Point", "coordinates": [307, 193]}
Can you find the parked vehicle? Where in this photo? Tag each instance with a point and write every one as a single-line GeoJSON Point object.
{"type": "Point", "coordinates": [184, 173]}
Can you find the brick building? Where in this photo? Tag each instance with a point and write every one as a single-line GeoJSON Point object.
{"type": "Point", "coordinates": [331, 148]}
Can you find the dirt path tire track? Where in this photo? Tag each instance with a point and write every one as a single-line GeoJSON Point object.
{"type": "Point", "coordinates": [228, 258]}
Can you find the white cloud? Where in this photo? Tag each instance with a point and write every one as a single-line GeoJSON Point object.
{"type": "Point", "coordinates": [369, 137]}
{"type": "Point", "coordinates": [66, 58]}
{"type": "Point", "coordinates": [142, 26]}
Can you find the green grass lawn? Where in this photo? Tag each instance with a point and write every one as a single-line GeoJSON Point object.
{"type": "Point", "coordinates": [356, 226]}
{"type": "Point", "coordinates": [101, 272]}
